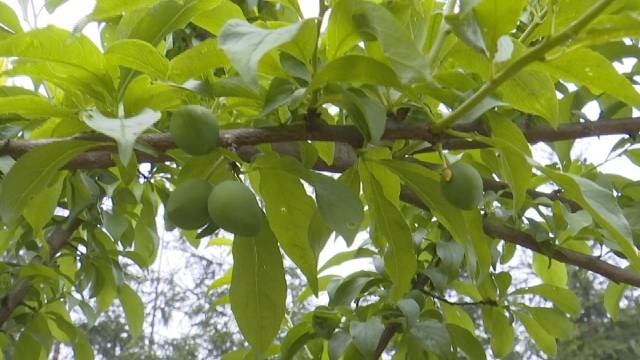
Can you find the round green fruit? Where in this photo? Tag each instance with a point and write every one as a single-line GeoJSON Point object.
{"type": "Point", "coordinates": [194, 129]}
{"type": "Point", "coordinates": [234, 207]}
{"type": "Point", "coordinates": [187, 205]}
{"type": "Point", "coordinates": [462, 185]}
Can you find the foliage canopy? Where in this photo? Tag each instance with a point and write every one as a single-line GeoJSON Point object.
{"type": "Point", "coordinates": [388, 94]}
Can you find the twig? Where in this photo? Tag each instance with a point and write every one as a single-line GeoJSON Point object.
{"type": "Point", "coordinates": [489, 302]}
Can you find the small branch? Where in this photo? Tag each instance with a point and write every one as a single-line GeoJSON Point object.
{"type": "Point", "coordinates": [527, 58]}
{"type": "Point", "coordinates": [462, 303]}
{"type": "Point", "coordinates": [57, 240]}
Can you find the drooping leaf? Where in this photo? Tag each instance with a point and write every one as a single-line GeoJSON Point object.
{"type": "Point", "coordinates": [539, 335]}
{"type": "Point", "coordinates": [467, 342]}
{"type": "Point", "coordinates": [612, 297]}
{"type": "Point", "coordinates": [133, 309]}
{"type": "Point", "coordinates": [33, 172]}
{"type": "Point", "coordinates": [388, 227]}
{"type": "Point", "coordinates": [502, 333]}
{"type": "Point", "coordinates": [197, 60]}
{"type": "Point", "coordinates": [564, 299]}
{"type": "Point", "coordinates": [497, 18]}
{"type": "Point", "coordinates": [290, 217]}
{"type": "Point", "coordinates": [355, 69]}
{"type": "Point", "coordinates": [258, 288]}
{"type": "Point", "coordinates": [366, 335]}
{"type": "Point", "coordinates": [432, 336]}
{"type": "Point", "coordinates": [9, 19]}
{"type": "Point", "coordinates": [532, 92]}
{"type": "Point", "coordinates": [549, 270]}
{"type": "Point", "coordinates": [213, 19]}
{"type": "Point", "coordinates": [32, 106]}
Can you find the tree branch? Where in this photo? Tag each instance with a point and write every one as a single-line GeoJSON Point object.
{"type": "Point", "coordinates": [56, 241]}
{"type": "Point", "coordinates": [244, 140]}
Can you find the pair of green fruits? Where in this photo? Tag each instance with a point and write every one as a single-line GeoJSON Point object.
{"type": "Point", "coordinates": [196, 203]}
{"type": "Point", "coordinates": [229, 205]}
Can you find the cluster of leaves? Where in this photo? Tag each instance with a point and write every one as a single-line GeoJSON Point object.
{"type": "Point", "coordinates": [499, 66]}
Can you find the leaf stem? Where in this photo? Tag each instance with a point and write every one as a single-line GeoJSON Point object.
{"type": "Point", "coordinates": [442, 35]}
{"type": "Point", "coordinates": [530, 56]}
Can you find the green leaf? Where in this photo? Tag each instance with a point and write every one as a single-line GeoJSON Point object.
{"type": "Point", "coordinates": [82, 349]}
{"type": "Point", "coordinates": [432, 336]}
{"type": "Point", "coordinates": [213, 19]}
{"type": "Point", "coordinates": [124, 131]}
{"type": "Point", "coordinates": [550, 271]}
{"type": "Point", "coordinates": [564, 299]}
{"type": "Point", "coordinates": [33, 172]}
{"type": "Point", "coordinates": [344, 256]}
{"type": "Point", "coordinates": [355, 69]}
{"type": "Point", "coordinates": [502, 333]}
{"type": "Point", "coordinates": [602, 206]}
{"type": "Point", "coordinates": [341, 32]}
{"type": "Point", "coordinates": [587, 67]}
{"type": "Point", "coordinates": [56, 45]}
{"type": "Point", "coordinates": [258, 289]}
{"type": "Point", "coordinates": [467, 342]}
{"type": "Point", "coordinates": [290, 217]}
{"type": "Point", "coordinates": [350, 287]}
{"type": "Point", "coordinates": [513, 146]}
{"type": "Point", "coordinates": [105, 9]}
{"type": "Point", "coordinates": [9, 19]}
{"type": "Point", "coordinates": [612, 297]}
{"type": "Point", "coordinates": [138, 55]}
{"type": "Point", "coordinates": [295, 339]}
{"type": "Point", "coordinates": [245, 44]}
{"type": "Point", "coordinates": [340, 207]}
{"type": "Point", "coordinates": [40, 209]}
{"type": "Point", "coordinates": [133, 309]}
{"type": "Point", "coordinates": [608, 28]}
{"type": "Point", "coordinates": [32, 106]}
{"type": "Point", "coordinates": [554, 322]}
{"type": "Point", "coordinates": [388, 226]}
{"type": "Point", "coordinates": [398, 47]}
{"type": "Point", "coordinates": [497, 18]}
{"type": "Point", "coordinates": [366, 113]}
{"type": "Point", "coordinates": [196, 61]}
{"type": "Point", "coordinates": [533, 92]}
{"type": "Point", "coordinates": [539, 335]}
{"type": "Point", "coordinates": [366, 335]}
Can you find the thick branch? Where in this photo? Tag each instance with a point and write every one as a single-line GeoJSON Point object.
{"type": "Point", "coordinates": [243, 140]}
{"type": "Point", "coordinates": [56, 241]}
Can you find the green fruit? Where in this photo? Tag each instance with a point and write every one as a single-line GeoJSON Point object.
{"type": "Point", "coordinates": [187, 205]}
{"type": "Point", "coordinates": [235, 208]}
{"type": "Point", "coordinates": [194, 129]}
{"type": "Point", "coordinates": [462, 186]}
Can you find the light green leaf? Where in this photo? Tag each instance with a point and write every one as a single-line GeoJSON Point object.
{"type": "Point", "coordinates": [539, 335]}
{"type": "Point", "coordinates": [467, 342]}
{"type": "Point", "coordinates": [456, 315]}
{"type": "Point", "coordinates": [398, 47]}
{"type": "Point", "coordinates": [82, 349]}
{"type": "Point", "coordinates": [9, 19]}
{"type": "Point", "coordinates": [340, 207]}
{"type": "Point", "coordinates": [355, 69]}
{"type": "Point", "coordinates": [341, 32]}
{"type": "Point", "coordinates": [349, 288]}
{"type": "Point", "coordinates": [550, 271]}
{"type": "Point", "coordinates": [133, 309]}
{"type": "Point", "coordinates": [138, 55]}
{"type": "Point", "coordinates": [432, 336]}
{"type": "Point", "coordinates": [33, 172]}
{"type": "Point", "coordinates": [366, 113]}
{"type": "Point", "coordinates": [586, 67]}
{"type": "Point", "coordinates": [32, 106]}
{"type": "Point", "coordinates": [554, 322]}
{"type": "Point", "coordinates": [532, 92]}
{"type": "Point", "coordinates": [105, 9]}
{"type": "Point", "coordinates": [245, 44]}
{"type": "Point", "coordinates": [612, 297]}
{"type": "Point", "coordinates": [197, 60]}
{"type": "Point", "coordinates": [344, 256]}
{"type": "Point", "coordinates": [388, 226]}
{"type": "Point", "coordinates": [258, 289]}
{"type": "Point", "coordinates": [289, 217]}
{"type": "Point", "coordinates": [40, 209]}
{"type": "Point", "coordinates": [502, 333]}
{"type": "Point", "coordinates": [602, 206]}
{"type": "Point", "coordinates": [497, 18]}
{"type": "Point", "coordinates": [513, 147]}
{"type": "Point", "coordinates": [366, 335]}
{"type": "Point", "coordinates": [608, 28]}
{"type": "Point", "coordinates": [124, 131]}
{"type": "Point", "coordinates": [563, 298]}
{"type": "Point", "coordinates": [213, 19]}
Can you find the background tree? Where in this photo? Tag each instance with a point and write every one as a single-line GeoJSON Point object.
{"type": "Point", "coordinates": [427, 110]}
